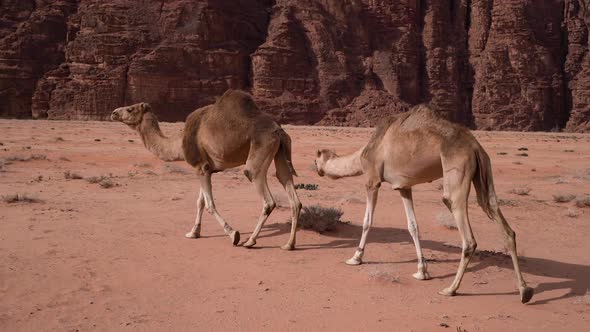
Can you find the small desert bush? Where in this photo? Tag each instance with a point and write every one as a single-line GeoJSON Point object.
{"type": "Point", "coordinates": [383, 276]}
{"type": "Point", "coordinates": [561, 198]}
{"type": "Point", "coordinates": [27, 158]}
{"type": "Point", "coordinates": [507, 202]}
{"type": "Point", "coordinates": [446, 220]}
{"type": "Point", "coordinates": [319, 219]}
{"type": "Point", "coordinates": [307, 186]}
{"type": "Point", "coordinates": [69, 175]}
{"type": "Point", "coordinates": [106, 183]}
{"type": "Point", "coordinates": [568, 150]}
{"type": "Point", "coordinates": [583, 202]}
{"type": "Point", "coordinates": [521, 191]}
{"type": "Point", "coordinates": [149, 172]}
{"type": "Point", "coordinates": [102, 180]}
{"type": "Point", "coordinates": [143, 165]}
{"type": "Point", "coordinates": [20, 198]}
{"type": "Point", "coordinates": [572, 213]}
{"type": "Point", "coordinates": [62, 158]}
{"type": "Point", "coordinates": [174, 169]}
{"type": "Point", "coordinates": [523, 149]}
{"type": "Point", "coordinates": [502, 153]}
{"type": "Point", "coordinates": [524, 154]}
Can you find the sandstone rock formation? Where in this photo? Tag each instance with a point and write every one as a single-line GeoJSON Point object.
{"type": "Point", "coordinates": [508, 65]}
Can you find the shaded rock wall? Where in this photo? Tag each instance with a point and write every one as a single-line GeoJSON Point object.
{"type": "Point", "coordinates": [508, 65]}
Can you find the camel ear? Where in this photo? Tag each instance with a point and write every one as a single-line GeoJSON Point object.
{"type": "Point", "coordinates": [318, 153]}
{"type": "Point", "coordinates": [144, 107]}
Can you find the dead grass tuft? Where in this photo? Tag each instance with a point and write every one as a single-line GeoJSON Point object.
{"type": "Point", "coordinates": [507, 202]}
{"type": "Point", "coordinates": [521, 191]}
{"type": "Point", "coordinates": [563, 198]}
{"type": "Point", "coordinates": [174, 169]}
{"type": "Point", "coordinates": [319, 219]}
{"type": "Point", "coordinates": [307, 186]}
{"type": "Point", "coordinates": [103, 181]}
{"type": "Point", "coordinates": [383, 276]}
{"type": "Point", "coordinates": [524, 154]}
{"type": "Point", "coordinates": [446, 220]}
{"type": "Point", "coordinates": [583, 202]}
{"type": "Point", "coordinates": [20, 198]}
{"type": "Point", "coordinates": [572, 213]}
{"type": "Point", "coordinates": [69, 175]}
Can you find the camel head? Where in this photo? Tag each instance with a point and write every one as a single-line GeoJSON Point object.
{"type": "Point", "coordinates": [131, 115]}
{"type": "Point", "coordinates": [322, 157]}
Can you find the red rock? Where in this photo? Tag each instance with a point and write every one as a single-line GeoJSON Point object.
{"type": "Point", "coordinates": [508, 65]}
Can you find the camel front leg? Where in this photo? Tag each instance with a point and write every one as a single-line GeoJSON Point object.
{"type": "Point", "coordinates": [207, 191]}
{"type": "Point", "coordinates": [406, 194]}
{"type": "Point", "coordinates": [372, 193]}
{"type": "Point", "coordinates": [196, 230]}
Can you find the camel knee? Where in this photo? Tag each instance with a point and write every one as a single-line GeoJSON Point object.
{"type": "Point", "coordinates": [268, 207]}
{"type": "Point", "coordinates": [447, 202]}
{"type": "Point", "coordinates": [248, 174]}
{"type": "Point", "coordinates": [469, 248]}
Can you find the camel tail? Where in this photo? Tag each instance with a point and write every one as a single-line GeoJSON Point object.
{"type": "Point", "coordinates": [285, 149]}
{"type": "Point", "coordinates": [484, 183]}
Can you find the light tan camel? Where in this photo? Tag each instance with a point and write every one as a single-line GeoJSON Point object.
{"type": "Point", "coordinates": [418, 147]}
{"type": "Point", "coordinates": [229, 133]}
{"type": "Point", "coordinates": [140, 118]}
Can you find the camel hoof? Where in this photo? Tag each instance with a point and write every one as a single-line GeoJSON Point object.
{"type": "Point", "coordinates": [191, 235]}
{"type": "Point", "coordinates": [235, 236]}
{"type": "Point", "coordinates": [288, 246]}
{"type": "Point", "coordinates": [249, 244]}
{"type": "Point", "coordinates": [421, 275]}
{"type": "Point", "coordinates": [353, 261]}
{"type": "Point", "coordinates": [447, 292]}
{"type": "Point", "coordinates": [526, 294]}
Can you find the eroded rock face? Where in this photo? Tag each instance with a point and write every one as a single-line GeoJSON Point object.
{"type": "Point", "coordinates": [508, 65]}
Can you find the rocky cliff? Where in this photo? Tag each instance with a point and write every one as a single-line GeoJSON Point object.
{"type": "Point", "coordinates": [508, 65]}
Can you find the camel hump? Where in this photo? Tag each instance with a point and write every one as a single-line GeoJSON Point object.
{"type": "Point", "coordinates": [236, 101]}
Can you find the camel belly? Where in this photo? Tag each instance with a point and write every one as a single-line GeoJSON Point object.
{"type": "Point", "coordinates": [405, 176]}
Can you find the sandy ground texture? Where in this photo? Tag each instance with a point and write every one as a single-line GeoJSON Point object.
{"type": "Point", "coordinates": [111, 255]}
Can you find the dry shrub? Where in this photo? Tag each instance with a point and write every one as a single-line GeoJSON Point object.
{"type": "Point", "coordinates": [521, 191]}
{"type": "Point", "coordinates": [446, 220]}
{"type": "Point", "coordinates": [20, 198]}
{"type": "Point", "coordinates": [102, 180]}
{"type": "Point", "coordinates": [507, 202]}
{"type": "Point", "coordinates": [561, 198]}
{"type": "Point", "coordinates": [143, 165]}
{"type": "Point", "coordinates": [174, 169]}
{"type": "Point", "coordinates": [383, 276]}
{"type": "Point", "coordinates": [524, 154]}
{"type": "Point", "coordinates": [319, 219]}
{"type": "Point", "coordinates": [583, 202]}
{"type": "Point", "coordinates": [307, 186]}
{"type": "Point", "coordinates": [72, 176]}
{"type": "Point", "coordinates": [572, 213]}
{"type": "Point", "coordinates": [106, 183]}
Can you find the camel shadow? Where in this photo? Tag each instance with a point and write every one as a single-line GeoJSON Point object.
{"type": "Point", "coordinates": [573, 277]}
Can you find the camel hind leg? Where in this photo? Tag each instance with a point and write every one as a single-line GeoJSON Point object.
{"type": "Point", "coordinates": [286, 179]}
{"type": "Point", "coordinates": [456, 184]}
{"type": "Point", "coordinates": [259, 160]}
{"type": "Point", "coordinates": [526, 293]}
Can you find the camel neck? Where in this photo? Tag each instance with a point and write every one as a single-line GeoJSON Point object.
{"type": "Point", "coordinates": [345, 166]}
{"type": "Point", "coordinates": [150, 132]}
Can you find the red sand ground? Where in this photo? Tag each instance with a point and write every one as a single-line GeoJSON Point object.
{"type": "Point", "coordinates": [90, 258]}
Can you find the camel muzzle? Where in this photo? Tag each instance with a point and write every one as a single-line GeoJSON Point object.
{"type": "Point", "coordinates": [115, 116]}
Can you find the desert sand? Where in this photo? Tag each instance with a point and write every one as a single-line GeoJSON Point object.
{"type": "Point", "coordinates": [85, 257]}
